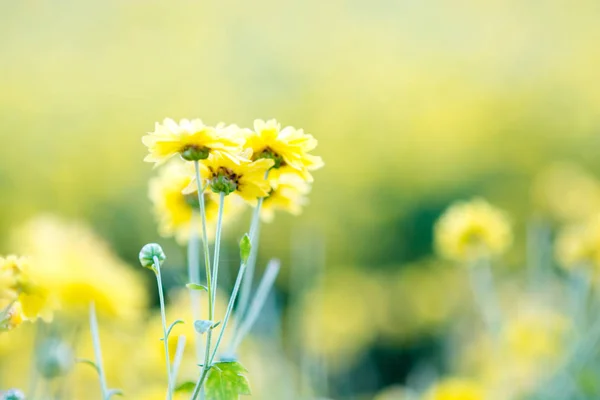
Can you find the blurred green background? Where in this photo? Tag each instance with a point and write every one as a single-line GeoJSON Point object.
{"type": "Point", "coordinates": [415, 104]}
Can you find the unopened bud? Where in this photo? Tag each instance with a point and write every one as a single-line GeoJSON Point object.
{"type": "Point", "coordinates": [222, 184]}
{"type": "Point", "coordinates": [54, 358]}
{"type": "Point", "coordinates": [149, 252]}
{"type": "Point", "coordinates": [194, 153]}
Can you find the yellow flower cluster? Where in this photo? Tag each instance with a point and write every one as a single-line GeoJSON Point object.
{"type": "Point", "coordinates": [472, 229]}
{"type": "Point", "coordinates": [268, 163]}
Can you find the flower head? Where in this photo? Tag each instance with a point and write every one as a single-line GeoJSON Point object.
{"type": "Point", "coordinates": [578, 245]}
{"type": "Point", "coordinates": [288, 147]}
{"type": "Point", "coordinates": [175, 211]}
{"type": "Point", "coordinates": [288, 193]}
{"type": "Point", "coordinates": [243, 177]}
{"type": "Point", "coordinates": [472, 229]}
{"type": "Point", "coordinates": [192, 140]}
{"type": "Point", "coordinates": [456, 389]}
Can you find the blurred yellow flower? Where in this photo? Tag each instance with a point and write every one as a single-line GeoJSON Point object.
{"type": "Point", "coordinates": [11, 317]}
{"type": "Point", "coordinates": [70, 267]}
{"type": "Point", "coordinates": [472, 229]}
{"type": "Point", "coordinates": [246, 178]}
{"type": "Point", "coordinates": [288, 193]}
{"type": "Point", "coordinates": [287, 147]}
{"type": "Point", "coordinates": [192, 140]}
{"type": "Point", "coordinates": [8, 277]}
{"type": "Point", "coordinates": [456, 389]}
{"type": "Point", "coordinates": [578, 245]}
{"type": "Point", "coordinates": [176, 211]}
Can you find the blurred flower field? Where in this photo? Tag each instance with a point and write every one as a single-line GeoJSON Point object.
{"type": "Point", "coordinates": [447, 250]}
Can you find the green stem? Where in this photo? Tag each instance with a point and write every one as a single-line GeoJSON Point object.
{"type": "Point", "coordinates": [247, 286]}
{"type": "Point", "coordinates": [98, 350]}
{"type": "Point", "coordinates": [217, 247]}
{"type": "Point", "coordinates": [164, 324]}
{"type": "Point", "coordinates": [194, 277]}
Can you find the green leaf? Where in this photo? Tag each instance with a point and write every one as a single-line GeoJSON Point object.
{"type": "Point", "coordinates": [226, 381]}
{"type": "Point", "coordinates": [114, 392]}
{"type": "Point", "coordinates": [195, 286]}
{"type": "Point", "coordinates": [186, 387]}
{"type": "Point", "coordinates": [179, 321]}
{"type": "Point", "coordinates": [245, 248]}
{"type": "Point", "coordinates": [88, 362]}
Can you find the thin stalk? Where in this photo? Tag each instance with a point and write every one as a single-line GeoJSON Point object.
{"type": "Point", "coordinates": [98, 350]}
{"type": "Point", "coordinates": [257, 304]}
{"type": "Point", "coordinates": [482, 284]}
{"type": "Point", "coordinates": [247, 284]}
{"type": "Point", "coordinates": [178, 357]}
{"type": "Point", "coordinates": [194, 277]}
{"type": "Point", "coordinates": [164, 324]}
{"type": "Point", "coordinates": [208, 271]}
{"type": "Point", "coordinates": [212, 289]}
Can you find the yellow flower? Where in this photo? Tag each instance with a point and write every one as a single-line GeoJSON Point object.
{"type": "Point", "coordinates": [456, 389]}
{"type": "Point", "coordinates": [176, 212]}
{"type": "Point", "coordinates": [579, 245]}
{"type": "Point", "coordinates": [241, 176]}
{"type": "Point", "coordinates": [288, 147]}
{"type": "Point", "coordinates": [192, 140]}
{"type": "Point", "coordinates": [8, 277]}
{"type": "Point", "coordinates": [288, 193]}
{"type": "Point", "coordinates": [70, 267]}
{"type": "Point", "coordinates": [472, 229]}
{"type": "Point", "coordinates": [11, 317]}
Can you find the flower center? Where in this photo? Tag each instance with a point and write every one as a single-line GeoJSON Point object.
{"type": "Point", "coordinates": [192, 152]}
{"type": "Point", "coordinates": [267, 152]}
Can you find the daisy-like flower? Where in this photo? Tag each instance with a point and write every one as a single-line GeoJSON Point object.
{"type": "Point", "coordinates": [456, 389]}
{"type": "Point", "coordinates": [242, 176]}
{"type": "Point", "coordinates": [472, 229]}
{"type": "Point", "coordinates": [288, 193]}
{"type": "Point", "coordinates": [578, 245]}
{"type": "Point", "coordinates": [190, 139]}
{"type": "Point", "coordinates": [288, 147]}
{"type": "Point", "coordinates": [175, 210]}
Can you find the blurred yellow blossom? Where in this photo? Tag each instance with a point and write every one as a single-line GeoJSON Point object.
{"type": "Point", "coordinates": [287, 147]}
{"type": "Point", "coordinates": [288, 193]}
{"type": "Point", "coordinates": [70, 267]}
{"type": "Point", "coordinates": [244, 177]}
{"type": "Point", "coordinates": [11, 317]}
{"type": "Point", "coordinates": [456, 389]}
{"type": "Point", "coordinates": [472, 229]}
{"type": "Point", "coordinates": [567, 192]}
{"type": "Point", "coordinates": [578, 245]}
{"type": "Point", "coordinates": [176, 212]}
{"type": "Point", "coordinates": [192, 140]}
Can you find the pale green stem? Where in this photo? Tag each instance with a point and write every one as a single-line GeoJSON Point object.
{"type": "Point", "coordinates": [247, 284]}
{"type": "Point", "coordinates": [208, 273]}
{"type": "Point", "coordinates": [212, 295]}
{"type": "Point", "coordinates": [194, 277]}
{"type": "Point", "coordinates": [178, 357]}
{"type": "Point", "coordinates": [257, 304]}
{"type": "Point", "coordinates": [482, 284]}
{"type": "Point", "coordinates": [217, 247]}
{"type": "Point", "coordinates": [98, 351]}
{"type": "Point", "coordinates": [164, 324]}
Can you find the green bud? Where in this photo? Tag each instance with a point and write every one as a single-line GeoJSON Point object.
{"type": "Point", "coordinates": [148, 253]}
{"type": "Point", "coordinates": [245, 248]}
{"type": "Point", "coordinates": [222, 184]}
{"type": "Point", "coordinates": [194, 153]}
{"type": "Point", "coordinates": [270, 154]}
{"type": "Point", "coordinates": [202, 326]}
{"type": "Point", "coordinates": [13, 394]}
{"type": "Point", "coordinates": [54, 358]}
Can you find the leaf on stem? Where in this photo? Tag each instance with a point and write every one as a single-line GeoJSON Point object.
{"type": "Point", "coordinates": [114, 392]}
{"type": "Point", "coordinates": [203, 325]}
{"type": "Point", "coordinates": [186, 387]}
{"type": "Point", "coordinates": [88, 362]}
{"type": "Point", "coordinates": [195, 286]}
{"type": "Point", "coordinates": [245, 248]}
{"type": "Point", "coordinates": [179, 321]}
{"type": "Point", "coordinates": [226, 381]}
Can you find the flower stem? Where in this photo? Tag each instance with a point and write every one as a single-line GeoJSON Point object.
{"type": "Point", "coordinates": [164, 324]}
{"type": "Point", "coordinates": [215, 271]}
{"type": "Point", "coordinates": [194, 277]}
{"type": "Point", "coordinates": [98, 350]}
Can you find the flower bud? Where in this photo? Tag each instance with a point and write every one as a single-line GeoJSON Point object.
{"type": "Point", "coordinates": [222, 184]}
{"type": "Point", "coordinates": [54, 358]}
{"type": "Point", "coordinates": [13, 394]}
{"type": "Point", "coordinates": [148, 253]}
